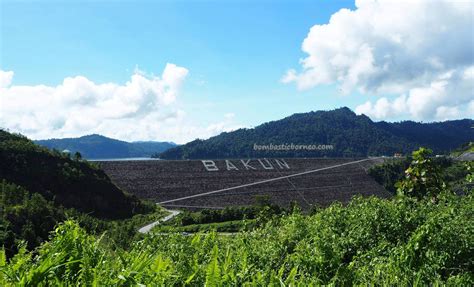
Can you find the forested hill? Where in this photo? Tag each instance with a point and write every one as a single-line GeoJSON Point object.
{"type": "Point", "coordinates": [349, 134]}
{"type": "Point", "coordinates": [442, 136]}
{"type": "Point", "coordinates": [56, 177]}
{"type": "Point", "coordinates": [100, 147]}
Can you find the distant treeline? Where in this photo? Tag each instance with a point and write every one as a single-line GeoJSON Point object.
{"type": "Point", "coordinates": [100, 147]}
{"type": "Point", "coordinates": [349, 134]}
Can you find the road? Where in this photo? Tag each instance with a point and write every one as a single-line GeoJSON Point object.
{"type": "Point", "coordinates": [147, 228]}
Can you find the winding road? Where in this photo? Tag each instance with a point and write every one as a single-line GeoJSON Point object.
{"type": "Point", "coordinates": [147, 228]}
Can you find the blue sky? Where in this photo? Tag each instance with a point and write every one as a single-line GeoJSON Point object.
{"type": "Point", "coordinates": [236, 54]}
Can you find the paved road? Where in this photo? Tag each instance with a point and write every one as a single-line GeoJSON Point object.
{"type": "Point", "coordinates": [147, 228]}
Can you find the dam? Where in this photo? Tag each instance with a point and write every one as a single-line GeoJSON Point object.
{"type": "Point", "coordinates": [194, 184]}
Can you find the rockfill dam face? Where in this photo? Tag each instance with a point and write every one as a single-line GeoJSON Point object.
{"type": "Point", "coordinates": [196, 184]}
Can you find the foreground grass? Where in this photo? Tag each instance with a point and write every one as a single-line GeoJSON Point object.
{"type": "Point", "coordinates": [226, 226]}
{"type": "Point", "coordinates": [400, 241]}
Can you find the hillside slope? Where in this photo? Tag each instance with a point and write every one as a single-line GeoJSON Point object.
{"type": "Point", "coordinates": [100, 147]}
{"type": "Point", "coordinates": [70, 183]}
{"type": "Point", "coordinates": [441, 136]}
{"type": "Point", "coordinates": [349, 134]}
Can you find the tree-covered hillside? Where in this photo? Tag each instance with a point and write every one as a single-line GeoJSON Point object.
{"type": "Point", "coordinates": [442, 136]}
{"type": "Point", "coordinates": [100, 147]}
{"type": "Point", "coordinates": [40, 188]}
{"type": "Point", "coordinates": [70, 183]}
{"type": "Point", "coordinates": [349, 134]}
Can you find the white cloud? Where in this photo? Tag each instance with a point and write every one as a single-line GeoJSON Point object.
{"type": "Point", "coordinates": [144, 108]}
{"type": "Point", "coordinates": [5, 78]}
{"type": "Point", "coordinates": [226, 125]}
{"type": "Point", "coordinates": [448, 97]}
{"type": "Point", "coordinates": [470, 107]}
{"type": "Point", "coordinates": [421, 50]}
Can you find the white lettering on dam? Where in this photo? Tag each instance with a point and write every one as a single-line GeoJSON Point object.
{"type": "Point", "coordinates": [248, 164]}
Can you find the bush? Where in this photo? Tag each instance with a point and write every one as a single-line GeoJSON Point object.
{"type": "Point", "coordinates": [402, 241]}
{"type": "Point", "coordinates": [423, 177]}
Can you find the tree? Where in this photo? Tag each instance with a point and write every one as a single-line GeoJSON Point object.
{"type": "Point", "coordinates": [470, 172]}
{"type": "Point", "coordinates": [422, 178]}
{"type": "Point", "coordinates": [77, 156]}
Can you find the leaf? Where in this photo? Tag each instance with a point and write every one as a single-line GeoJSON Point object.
{"type": "Point", "coordinates": [213, 272]}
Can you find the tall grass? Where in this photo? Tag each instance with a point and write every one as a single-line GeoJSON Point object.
{"type": "Point", "coordinates": [371, 241]}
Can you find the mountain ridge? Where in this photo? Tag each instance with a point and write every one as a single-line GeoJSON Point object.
{"type": "Point", "coordinates": [95, 146]}
{"type": "Point", "coordinates": [351, 135]}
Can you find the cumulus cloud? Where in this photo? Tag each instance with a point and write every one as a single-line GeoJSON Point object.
{"type": "Point", "coordinates": [144, 108]}
{"type": "Point", "coordinates": [5, 78]}
{"type": "Point", "coordinates": [421, 51]}
{"type": "Point", "coordinates": [447, 97]}
{"type": "Point", "coordinates": [228, 124]}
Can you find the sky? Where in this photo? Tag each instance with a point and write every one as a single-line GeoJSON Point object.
{"type": "Point", "coordinates": [181, 70]}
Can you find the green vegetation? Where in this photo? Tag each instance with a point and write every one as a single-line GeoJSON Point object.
{"type": "Point", "coordinates": [41, 188]}
{"type": "Point", "coordinates": [401, 242]}
{"type": "Point", "coordinates": [231, 219]}
{"type": "Point", "coordinates": [225, 226]}
{"type": "Point", "coordinates": [25, 216]}
{"type": "Point", "coordinates": [408, 240]}
{"type": "Point", "coordinates": [467, 147]}
{"type": "Point", "coordinates": [29, 217]}
{"type": "Point", "coordinates": [422, 178]}
{"type": "Point", "coordinates": [392, 171]}
{"type": "Point", "coordinates": [230, 213]}
{"type": "Point", "coordinates": [349, 134]}
{"type": "Point", "coordinates": [71, 183]}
